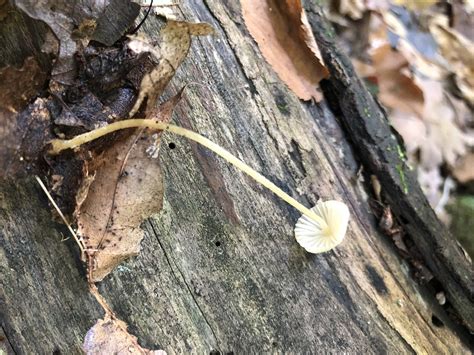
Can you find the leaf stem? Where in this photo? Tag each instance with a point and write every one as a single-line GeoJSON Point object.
{"type": "Point", "coordinates": [58, 145]}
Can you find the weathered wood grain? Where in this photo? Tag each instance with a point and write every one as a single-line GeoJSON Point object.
{"type": "Point", "coordinates": [219, 267]}
{"type": "Point", "coordinates": [381, 154]}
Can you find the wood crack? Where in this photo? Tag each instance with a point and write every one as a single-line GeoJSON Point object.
{"type": "Point", "coordinates": [172, 266]}
{"type": "Point", "coordinates": [9, 343]}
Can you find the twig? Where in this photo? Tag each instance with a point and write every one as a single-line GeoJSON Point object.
{"type": "Point", "coordinates": [79, 243]}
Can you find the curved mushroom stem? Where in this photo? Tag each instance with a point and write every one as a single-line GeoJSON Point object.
{"type": "Point", "coordinates": [58, 145]}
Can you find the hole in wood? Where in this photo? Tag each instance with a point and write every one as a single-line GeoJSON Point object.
{"type": "Point", "coordinates": [218, 244]}
{"type": "Point", "coordinates": [172, 145]}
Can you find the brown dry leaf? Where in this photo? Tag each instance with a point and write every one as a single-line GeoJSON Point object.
{"type": "Point", "coordinates": [436, 135]}
{"type": "Point", "coordinates": [423, 65]}
{"type": "Point", "coordinates": [61, 18]}
{"type": "Point", "coordinates": [284, 38]}
{"type": "Point", "coordinates": [172, 48]}
{"type": "Point", "coordinates": [19, 85]}
{"type": "Point", "coordinates": [445, 141]}
{"type": "Point", "coordinates": [397, 89]}
{"type": "Point", "coordinates": [390, 71]}
{"type": "Point", "coordinates": [64, 16]}
{"type": "Point", "coordinates": [459, 52]}
{"type": "Point", "coordinates": [427, 67]}
{"type": "Point", "coordinates": [352, 8]}
{"type": "Point", "coordinates": [464, 170]}
{"type": "Point", "coordinates": [127, 189]}
{"type": "Point", "coordinates": [110, 336]}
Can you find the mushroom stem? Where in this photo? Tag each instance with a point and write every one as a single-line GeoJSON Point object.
{"type": "Point", "coordinates": [58, 145]}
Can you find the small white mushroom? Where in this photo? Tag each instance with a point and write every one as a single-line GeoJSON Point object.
{"type": "Point", "coordinates": [321, 236]}
{"type": "Point", "coordinates": [319, 229]}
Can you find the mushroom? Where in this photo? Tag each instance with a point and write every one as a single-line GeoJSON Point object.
{"type": "Point", "coordinates": [318, 230]}
{"type": "Point", "coordinates": [321, 236]}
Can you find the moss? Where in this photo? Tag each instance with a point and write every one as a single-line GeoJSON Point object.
{"type": "Point", "coordinates": [462, 223]}
{"type": "Point", "coordinates": [367, 111]}
{"type": "Point", "coordinates": [403, 178]}
{"type": "Point", "coordinates": [401, 153]}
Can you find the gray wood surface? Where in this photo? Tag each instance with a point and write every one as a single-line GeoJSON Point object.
{"type": "Point", "coordinates": [219, 267]}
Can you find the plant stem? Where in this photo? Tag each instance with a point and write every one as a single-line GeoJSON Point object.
{"type": "Point", "coordinates": [79, 243]}
{"type": "Point", "coordinates": [58, 145]}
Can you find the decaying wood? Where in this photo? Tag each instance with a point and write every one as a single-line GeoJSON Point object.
{"type": "Point", "coordinates": [219, 267]}
{"type": "Point", "coordinates": [380, 152]}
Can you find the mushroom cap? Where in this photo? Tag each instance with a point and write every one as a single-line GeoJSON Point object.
{"type": "Point", "coordinates": [317, 237]}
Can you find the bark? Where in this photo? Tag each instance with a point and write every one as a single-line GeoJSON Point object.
{"type": "Point", "coordinates": [220, 269]}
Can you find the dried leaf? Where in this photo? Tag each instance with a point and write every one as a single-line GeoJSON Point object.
{"type": "Point", "coordinates": [286, 42]}
{"type": "Point", "coordinates": [459, 52]}
{"type": "Point", "coordinates": [173, 46]}
{"type": "Point", "coordinates": [397, 89]}
{"type": "Point", "coordinates": [444, 140]}
{"type": "Point", "coordinates": [127, 189]}
{"type": "Point", "coordinates": [436, 135]}
{"type": "Point", "coordinates": [110, 336]}
{"type": "Point", "coordinates": [462, 20]}
{"type": "Point", "coordinates": [420, 53]}
{"type": "Point", "coordinates": [464, 170]}
{"type": "Point", "coordinates": [411, 128]}
{"type": "Point", "coordinates": [63, 17]}
{"type": "Point", "coordinates": [20, 85]}
{"type": "Point", "coordinates": [352, 8]}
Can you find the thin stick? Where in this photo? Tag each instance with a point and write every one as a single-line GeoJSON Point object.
{"type": "Point", "coordinates": [101, 300]}
{"type": "Point", "coordinates": [81, 247]}
{"type": "Point", "coordinates": [57, 145]}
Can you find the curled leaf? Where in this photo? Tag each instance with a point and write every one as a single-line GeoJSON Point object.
{"type": "Point", "coordinates": [173, 46]}
{"type": "Point", "coordinates": [110, 336]}
{"type": "Point", "coordinates": [285, 39]}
